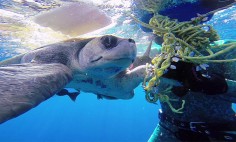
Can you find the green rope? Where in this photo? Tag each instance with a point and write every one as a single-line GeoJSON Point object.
{"type": "Point", "coordinates": [189, 41]}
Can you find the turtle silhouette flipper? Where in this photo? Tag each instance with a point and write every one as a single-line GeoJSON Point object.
{"type": "Point", "coordinates": [24, 86]}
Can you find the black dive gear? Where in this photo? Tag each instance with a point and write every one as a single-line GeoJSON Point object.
{"type": "Point", "coordinates": [196, 81]}
{"type": "Point", "coordinates": [199, 131]}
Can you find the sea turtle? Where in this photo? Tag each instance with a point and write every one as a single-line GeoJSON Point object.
{"type": "Point", "coordinates": [98, 65]}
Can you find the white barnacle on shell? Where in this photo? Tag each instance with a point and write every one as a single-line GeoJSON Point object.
{"type": "Point", "coordinates": [177, 47]}
{"type": "Point", "coordinates": [206, 76]}
{"type": "Point", "coordinates": [173, 67]}
{"type": "Point", "coordinates": [204, 66]}
{"type": "Point", "coordinates": [175, 59]}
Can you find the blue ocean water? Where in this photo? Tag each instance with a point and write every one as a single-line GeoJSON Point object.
{"type": "Point", "coordinates": [86, 120]}
{"type": "Point", "coordinates": [90, 120]}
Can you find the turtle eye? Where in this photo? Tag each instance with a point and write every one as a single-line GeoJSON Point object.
{"type": "Point", "coordinates": [109, 41]}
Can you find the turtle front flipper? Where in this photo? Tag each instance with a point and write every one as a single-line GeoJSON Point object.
{"type": "Point", "coordinates": [24, 86]}
{"type": "Point", "coordinates": [131, 79]}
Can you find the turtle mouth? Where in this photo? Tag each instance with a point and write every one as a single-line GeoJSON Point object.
{"type": "Point", "coordinates": [100, 57]}
{"type": "Point", "coordinates": [97, 59]}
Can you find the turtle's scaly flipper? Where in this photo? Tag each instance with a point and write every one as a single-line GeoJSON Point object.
{"type": "Point", "coordinates": [24, 86]}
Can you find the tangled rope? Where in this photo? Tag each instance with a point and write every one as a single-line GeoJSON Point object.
{"type": "Point", "coordinates": [186, 41]}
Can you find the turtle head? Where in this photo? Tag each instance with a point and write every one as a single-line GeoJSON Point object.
{"type": "Point", "coordinates": [107, 56]}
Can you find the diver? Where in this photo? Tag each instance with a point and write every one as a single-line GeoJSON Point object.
{"type": "Point", "coordinates": [209, 90]}
{"type": "Point", "coordinates": [207, 114]}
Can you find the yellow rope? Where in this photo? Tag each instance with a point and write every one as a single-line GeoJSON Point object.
{"type": "Point", "coordinates": [189, 41]}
